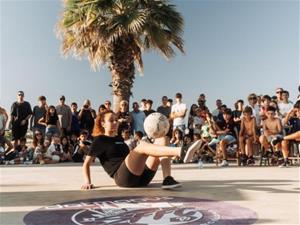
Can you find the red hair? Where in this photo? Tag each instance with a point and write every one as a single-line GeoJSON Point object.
{"type": "Point", "coordinates": [98, 128]}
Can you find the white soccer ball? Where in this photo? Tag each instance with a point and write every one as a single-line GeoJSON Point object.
{"type": "Point", "coordinates": [156, 125]}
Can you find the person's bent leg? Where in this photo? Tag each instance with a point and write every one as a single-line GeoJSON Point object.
{"type": "Point", "coordinates": [285, 149]}
{"type": "Point", "coordinates": [293, 136]}
{"type": "Point", "coordinates": [242, 145]}
{"type": "Point", "coordinates": [249, 144]}
{"type": "Point", "coordinates": [223, 145]}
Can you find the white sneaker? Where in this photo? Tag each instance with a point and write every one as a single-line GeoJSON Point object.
{"type": "Point", "coordinates": [191, 151]}
{"type": "Point", "coordinates": [224, 163]}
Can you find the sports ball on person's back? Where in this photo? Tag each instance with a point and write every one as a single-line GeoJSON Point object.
{"type": "Point", "coordinates": [156, 125]}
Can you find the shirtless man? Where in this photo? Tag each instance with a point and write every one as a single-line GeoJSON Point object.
{"type": "Point", "coordinates": [272, 130]}
{"type": "Point", "coordinates": [248, 135]}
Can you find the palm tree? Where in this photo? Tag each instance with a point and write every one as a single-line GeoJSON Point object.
{"type": "Point", "coordinates": [115, 32]}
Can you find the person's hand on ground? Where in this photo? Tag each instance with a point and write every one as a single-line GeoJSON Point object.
{"type": "Point", "coordinates": [87, 186]}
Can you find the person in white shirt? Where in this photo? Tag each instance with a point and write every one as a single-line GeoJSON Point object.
{"type": "Point", "coordinates": [252, 99]}
{"type": "Point", "coordinates": [285, 105]}
{"type": "Point", "coordinates": [198, 121]}
{"type": "Point", "coordinates": [178, 113]}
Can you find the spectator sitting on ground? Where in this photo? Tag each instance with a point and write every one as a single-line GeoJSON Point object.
{"type": "Point", "coordinates": [3, 150]}
{"type": "Point", "coordinates": [20, 153]}
{"type": "Point", "coordinates": [177, 141]}
{"type": "Point", "coordinates": [55, 151]}
{"type": "Point", "coordinates": [67, 149]}
{"type": "Point", "coordinates": [272, 129]}
{"type": "Point", "coordinates": [81, 148]}
{"type": "Point", "coordinates": [247, 136]}
{"type": "Point", "coordinates": [130, 142]}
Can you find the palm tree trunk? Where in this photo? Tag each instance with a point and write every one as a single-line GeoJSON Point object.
{"type": "Point", "coordinates": [122, 70]}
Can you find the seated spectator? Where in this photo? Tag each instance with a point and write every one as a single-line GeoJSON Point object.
{"type": "Point", "coordinates": [252, 99]}
{"type": "Point", "coordinates": [198, 121]}
{"type": "Point", "coordinates": [293, 120]}
{"type": "Point", "coordinates": [20, 153]}
{"type": "Point", "coordinates": [38, 146]}
{"type": "Point", "coordinates": [177, 141]}
{"type": "Point", "coordinates": [279, 94]}
{"type": "Point", "coordinates": [130, 142]}
{"type": "Point", "coordinates": [138, 136]}
{"type": "Point", "coordinates": [55, 151]}
{"type": "Point", "coordinates": [81, 147]}
{"type": "Point", "coordinates": [272, 129]}
{"type": "Point", "coordinates": [67, 149]}
{"type": "Point", "coordinates": [3, 149]}
{"type": "Point", "coordinates": [148, 110]}
{"type": "Point", "coordinates": [51, 121]}
{"type": "Point", "coordinates": [247, 136]}
{"type": "Point", "coordinates": [227, 134]}
{"type": "Point", "coordinates": [266, 100]}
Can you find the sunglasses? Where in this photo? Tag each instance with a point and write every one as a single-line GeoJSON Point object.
{"type": "Point", "coordinates": [20, 95]}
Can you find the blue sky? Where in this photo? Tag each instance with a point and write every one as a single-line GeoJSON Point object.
{"type": "Point", "coordinates": [233, 48]}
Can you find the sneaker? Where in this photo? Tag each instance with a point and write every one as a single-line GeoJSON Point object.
{"type": "Point", "coordinates": [170, 183]}
{"type": "Point", "coordinates": [284, 165]}
{"type": "Point", "coordinates": [244, 159]}
{"type": "Point", "coordinates": [276, 140]}
{"type": "Point", "coordinates": [224, 163]}
{"type": "Point", "coordinates": [251, 161]}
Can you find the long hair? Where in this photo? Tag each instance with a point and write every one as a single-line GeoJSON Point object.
{"type": "Point", "coordinates": [48, 114]}
{"type": "Point", "coordinates": [98, 128]}
{"type": "Point", "coordinates": [35, 141]}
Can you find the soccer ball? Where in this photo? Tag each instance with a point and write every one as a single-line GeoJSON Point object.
{"type": "Point", "coordinates": [156, 125]}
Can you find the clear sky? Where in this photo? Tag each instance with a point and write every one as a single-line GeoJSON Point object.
{"type": "Point", "coordinates": [233, 48]}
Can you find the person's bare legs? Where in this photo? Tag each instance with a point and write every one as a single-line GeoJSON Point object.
{"type": "Point", "coordinates": [223, 145]}
{"type": "Point", "coordinates": [137, 158]}
{"type": "Point", "coordinates": [285, 148]}
{"type": "Point", "coordinates": [242, 145]}
{"type": "Point", "coordinates": [294, 136]}
{"type": "Point", "coordinates": [264, 142]}
{"type": "Point", "coordinates": [249, 144]}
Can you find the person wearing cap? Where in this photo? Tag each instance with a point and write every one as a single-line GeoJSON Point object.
{"type": "Point", "coordinates": [38, 112]}
{"type": "Point", "coordinates": [20, 114]}
{"type": "Point", "coordinates": [65, 115]}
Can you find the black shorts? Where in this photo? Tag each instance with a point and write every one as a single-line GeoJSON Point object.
{"type": "Point", "coordinates": [18, 132]}
{"type": "Point", "coordinates": [124, 178]}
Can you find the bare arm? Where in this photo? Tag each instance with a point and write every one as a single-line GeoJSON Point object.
{"type": "Point", "coordinates": [86, 173]}
{"type": "Point", "coordinates": [42, 121]}
{"type": "Point", "coordinates": [279, 126]}
{"type": "Point", "coordinates": [242, 128]}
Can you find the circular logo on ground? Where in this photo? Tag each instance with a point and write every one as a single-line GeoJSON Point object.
{"type": "Point", "coordinates": [141, 210]}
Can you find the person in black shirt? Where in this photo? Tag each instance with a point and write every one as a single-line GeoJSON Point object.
{"type": "Point", "coordinates": [133, 168]}
{"type": "Point", "coordinates": [293, 119]}
{"type": "Point", "coordinates": [148, 110]}
{"type": "Point", "coordinates": [20, 114]}
{"type": "Point", "coordinates": [87, 116]}
{"type": "Point", "coordinates": [227, 134]}
{"type": "Point", "coordinates": [51, 121]}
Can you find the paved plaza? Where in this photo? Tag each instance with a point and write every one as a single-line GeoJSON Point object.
{"type": "Point", "coordinates": [272, 193]}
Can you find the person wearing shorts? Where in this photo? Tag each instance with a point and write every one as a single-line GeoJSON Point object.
{"type": "Point", "coordinates": [227, 135]}
{"type": "Point", "coordinates": [135, 168]}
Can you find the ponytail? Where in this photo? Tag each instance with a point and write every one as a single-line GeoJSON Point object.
{"type": "Point", "coordinates": [98, 128]}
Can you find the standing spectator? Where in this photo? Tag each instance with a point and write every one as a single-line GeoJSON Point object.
{"type": "Point", "coordinates": [164, 108]}
{"type": "Point", "coordinates": [75, 126]}
{"type": "Point", "coordinates": [87, 116]}
{"type": "Point", "coordinates": [20, 115]}
{"type": "Point", "coordinates": [3, 120]}
{"type": "Point", "coordinates": [279, 94]}
{"type": "Point", "coordinates": [178, 113]}
{"type": "Point", "coordinates": [51, 122]}
{"type": "Point", "coordinates": [102, 108]}
{"type": "Point", "coordinates": [148, 110]}
{"type": "Point", "coordinates": [202, 100]}
{"type": "Point", "coordinates": [143, 104]}
{"type": "Point", "coordinates": [107, 105]}
{"type": "Point", "coordinates": [285, 105]}
{"type": "Point", "coordinates": [124, 117]}
{"type": "Point", "coordinates": [39, 112]}
{"type": "Point", "coordinates": [170, 102]}
{"type": "Point", "coordinates": [138, 118]}
{"type": "Point", "coordinates": [237, 113]}
{"type": "Point", "coordinates": [65, 116]}
{"type": "Point", "coordinates": [252, 99]}
{"type": "Point", "coordinates": [216, 112]}
{"type": "Point", "coordinates": [192, 114]}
